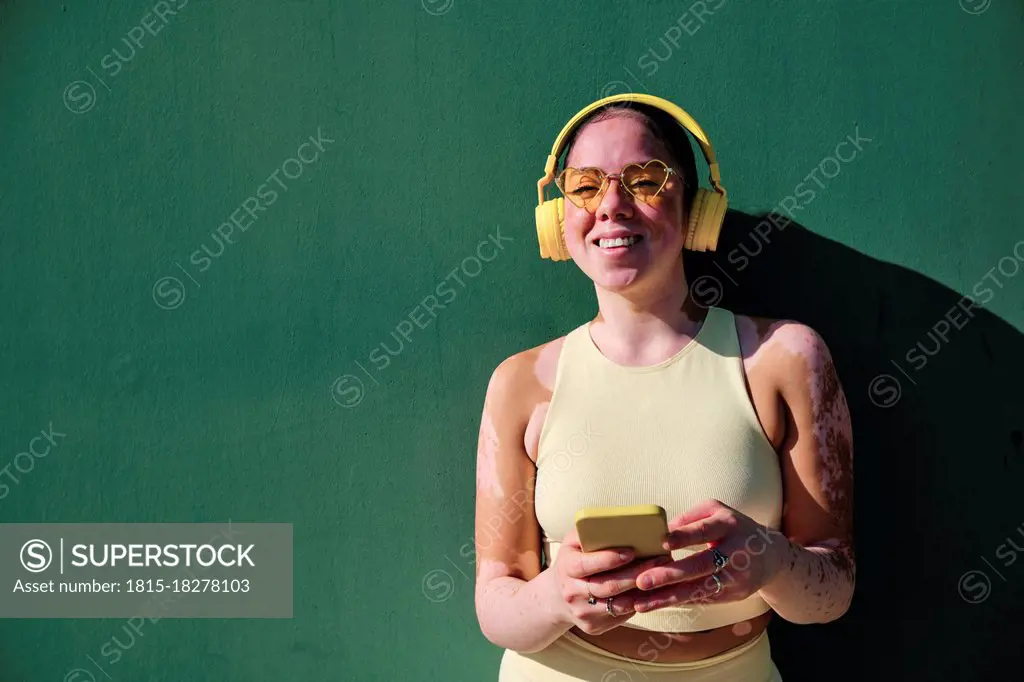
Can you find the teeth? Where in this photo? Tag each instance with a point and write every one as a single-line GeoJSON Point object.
{"type": "Point", "coordinates": [620, 241]}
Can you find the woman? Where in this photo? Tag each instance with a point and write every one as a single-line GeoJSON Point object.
{"type": "Point", "coordinates": [737, 426]}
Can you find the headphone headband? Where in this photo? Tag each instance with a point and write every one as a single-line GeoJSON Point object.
{"type": "Point", "coordinates": [675, 111]}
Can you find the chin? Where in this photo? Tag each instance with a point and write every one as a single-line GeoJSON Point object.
{"type": "Point", "coordinates": [633, 277]}
{"type": "Point", "coordinates": [617, 279]}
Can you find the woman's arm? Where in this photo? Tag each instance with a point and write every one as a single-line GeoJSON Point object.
{"type": "Point", "coordinates": [816, 577]}
{"type": "Point", "coordinates": [516, 603]}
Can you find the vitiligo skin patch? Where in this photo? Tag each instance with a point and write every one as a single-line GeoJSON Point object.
{"type": "Point", "coordinates": [487, 469]}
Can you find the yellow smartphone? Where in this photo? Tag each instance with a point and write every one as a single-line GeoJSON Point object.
{"type": "Point", "coordinates": [641, 527]}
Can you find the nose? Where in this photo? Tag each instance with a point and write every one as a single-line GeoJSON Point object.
{"type": "Point", "coordinates": [616, 204]}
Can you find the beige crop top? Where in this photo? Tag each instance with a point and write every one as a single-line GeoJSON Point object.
{"type": "Point", "coordinates": [669, 434]}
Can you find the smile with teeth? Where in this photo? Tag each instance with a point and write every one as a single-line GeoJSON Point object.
{"type": "Point", "coordinates": [620, 241]}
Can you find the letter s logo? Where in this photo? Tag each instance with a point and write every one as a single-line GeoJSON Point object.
{"type": "Point", "coordinates": [36, 556]}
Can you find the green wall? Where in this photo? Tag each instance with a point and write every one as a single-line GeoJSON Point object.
{"type": "Point", "coordinates": [225, 393]}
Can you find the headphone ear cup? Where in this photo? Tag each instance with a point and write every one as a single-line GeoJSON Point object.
{"type": "Point", "coordinates": [551, 229]}
{"type": "Point", "coordinates": [706, 216]}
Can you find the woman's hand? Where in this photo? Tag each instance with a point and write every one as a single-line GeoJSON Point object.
{"type": "Point", "coordinates": [580, 575]}
{"type": "Point", "coordinates": [753, 557]}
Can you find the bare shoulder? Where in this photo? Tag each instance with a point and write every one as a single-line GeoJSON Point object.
{"type": "Point", "coordinates": [528, 376]}
{"type": "Point", "coordinates": [520, 392]}
{"type": "Point", "coordinates": [533, 366]}
{"type": "Point", "coordinates": [786, 350]}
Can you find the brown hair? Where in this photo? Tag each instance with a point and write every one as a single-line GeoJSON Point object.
{"type": "Point", "coordinates": [663, 126]}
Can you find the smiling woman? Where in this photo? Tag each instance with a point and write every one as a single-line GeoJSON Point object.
{"type": "Point", "coordinates": [736, 426]}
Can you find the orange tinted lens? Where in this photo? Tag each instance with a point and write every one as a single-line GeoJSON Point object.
{"type": "Point", "coordinates": [582, 186]}
{"type": "Point", "coordinates": [645, 182]}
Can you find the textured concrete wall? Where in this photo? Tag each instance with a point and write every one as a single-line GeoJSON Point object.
{"type": "Point", "coordinates": [219, 223]}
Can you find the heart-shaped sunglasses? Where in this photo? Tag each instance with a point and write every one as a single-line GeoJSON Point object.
{"type": "Point", "coordinates": [585, 187]}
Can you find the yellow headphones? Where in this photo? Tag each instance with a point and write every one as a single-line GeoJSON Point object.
{"type": "Point", "coordinates": [706, 212]}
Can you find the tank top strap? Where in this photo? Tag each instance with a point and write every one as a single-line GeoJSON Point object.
{"type": "Point", "coordinates": [575, 359]}
{"type": "Point", "coordinates": [718, 333]}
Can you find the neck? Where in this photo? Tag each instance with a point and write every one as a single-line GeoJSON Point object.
{"type": "Point", "coordinates": [649, 322]}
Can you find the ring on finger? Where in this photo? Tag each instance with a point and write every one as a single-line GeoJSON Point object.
{"type": "Point", "coordinates": [591, 599]}
{"type": "Point", "coordinates": [608, 606]}
{"type": "Point", "coordinates": [718, 583]}
{"type": "Point", "coordinates": [720, 559]}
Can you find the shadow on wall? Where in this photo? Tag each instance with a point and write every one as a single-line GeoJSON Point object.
{"type": "Point", "coordinates": [934, 382]}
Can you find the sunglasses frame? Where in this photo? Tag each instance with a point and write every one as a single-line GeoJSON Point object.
{"type": "Point", "coordinates": [606, 178]}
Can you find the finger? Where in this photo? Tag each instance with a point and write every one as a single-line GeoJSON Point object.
{"type": "Point", "coordinates": [708, 530]}
{"type": "Point", "coordinates": [571, 539]}
{"type": "Point", "coordinates": [701, 510]}
{"type": "Point", "coordinates": [621, 580]}
{"type": "Point", "coordinates": [691, 568]}
{"type": "Point", "coordinates": [702, 591]}
{"type": "Point", "coordinates": [622, 608]}
{"type": "Point", "coordinates": [585, 564]}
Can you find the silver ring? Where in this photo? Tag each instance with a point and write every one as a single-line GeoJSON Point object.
{"type": "Point", "coordinates": [718, 584]}
{"type": "Point", "coordinates": [591, 599]}
{"type": "Point", "coordinates": [608, 606]}
{"type": "Point", "coordinates": [720, 559]}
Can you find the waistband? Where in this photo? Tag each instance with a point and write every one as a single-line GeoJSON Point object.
{"type": "Point", "coordinates": [641, 663]}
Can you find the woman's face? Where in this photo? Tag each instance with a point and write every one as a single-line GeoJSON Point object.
{"type": "Point", "coordinates": [609, 145]}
